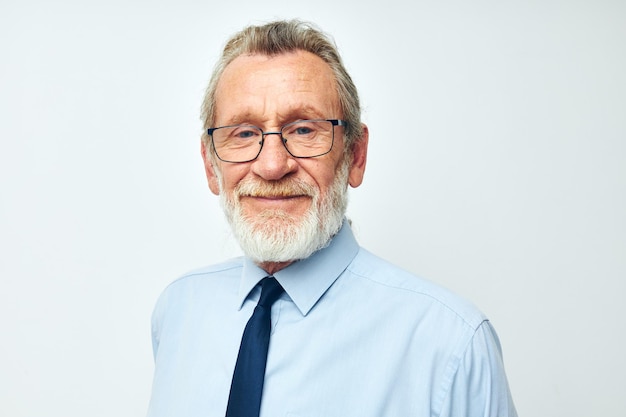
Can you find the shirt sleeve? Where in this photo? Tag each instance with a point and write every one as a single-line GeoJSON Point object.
{"type": "Point", "coordinates": [479, 387]}
{"type": "Point", "coordinates": [156, 321]}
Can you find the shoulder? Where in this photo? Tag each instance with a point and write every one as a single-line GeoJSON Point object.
{"type": "Point", "coordinates": [197, 283]}
{"type": "Point", "coordinates": [207, 275]}
{"type": "Point", "coordinates": [415, 290]}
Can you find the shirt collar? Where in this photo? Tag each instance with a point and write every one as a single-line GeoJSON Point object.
{"type": "Point", "coordinates": [305, 281]}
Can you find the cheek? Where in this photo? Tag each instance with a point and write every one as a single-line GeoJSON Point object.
{"type": "Point", "coordinates": [324, 174]}
{"type": "Point", "coordinates": [231, 175]}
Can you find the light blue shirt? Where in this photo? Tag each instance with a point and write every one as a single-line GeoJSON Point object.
{"type": "Point", "coordinates": [351, 336]}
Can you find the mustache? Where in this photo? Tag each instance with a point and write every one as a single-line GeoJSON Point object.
{"type": "Point", "coordinates": [280, 188]}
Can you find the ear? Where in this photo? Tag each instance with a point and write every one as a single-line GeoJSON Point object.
{"type": "Point", "coordinates": [209, 169]}
{"type": "Point", "coordinates": [359, 159]}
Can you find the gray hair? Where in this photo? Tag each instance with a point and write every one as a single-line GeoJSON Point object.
{"type": "Point", "coordinates": [281, 37]}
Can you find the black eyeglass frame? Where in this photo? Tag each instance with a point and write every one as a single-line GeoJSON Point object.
{"type": "Point", "coordinates": [334, 122]}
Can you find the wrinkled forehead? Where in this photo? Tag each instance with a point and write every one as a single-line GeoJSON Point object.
{"type": "Point", "coordinates": [296, 80]}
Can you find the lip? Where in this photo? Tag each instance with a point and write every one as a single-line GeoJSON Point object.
{"type": "Point", "coordinates": [276, 197]}
{"type": "Point", "coordinates": [270, 198]}
{"type": "Point", "coordinates": [275, 201]}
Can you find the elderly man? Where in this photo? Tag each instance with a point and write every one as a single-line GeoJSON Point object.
{"type": "Point", "coordinates": [307, 323]}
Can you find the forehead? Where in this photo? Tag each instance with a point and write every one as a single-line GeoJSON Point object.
{"type": "Point", "coordinates": [267, 87]}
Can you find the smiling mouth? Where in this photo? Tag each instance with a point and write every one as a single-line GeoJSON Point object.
{"type": "Point", "coordinates": [275, 196]}
{"type": "Point", "coordinates": [275, 191]}
{"type": "Point", "coordinates": [274, 199]}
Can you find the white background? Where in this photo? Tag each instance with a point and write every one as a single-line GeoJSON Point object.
{"type": "Point", "coordinates": [497, 167]}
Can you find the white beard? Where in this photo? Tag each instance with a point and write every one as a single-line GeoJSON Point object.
{"type": "Point", "coordinates": [275, 235]}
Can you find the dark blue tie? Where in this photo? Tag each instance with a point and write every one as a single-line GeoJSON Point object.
{"type": "Point", "coordinates": [247, 385]}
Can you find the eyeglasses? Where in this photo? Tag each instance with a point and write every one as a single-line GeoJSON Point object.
{"type": "Point", "coordinates": [302, 139]}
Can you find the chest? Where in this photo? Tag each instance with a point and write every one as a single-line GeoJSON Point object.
{"type": "Point", "coordinates": [363, 360]}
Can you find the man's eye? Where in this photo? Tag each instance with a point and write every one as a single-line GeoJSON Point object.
{"type": "Point", "coordinates": [245, 133]}
{"type": "Point", "coordinates": [303, 130]}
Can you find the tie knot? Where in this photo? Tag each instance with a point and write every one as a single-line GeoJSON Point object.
{"type": "Point", "coordinates": [270, 291]}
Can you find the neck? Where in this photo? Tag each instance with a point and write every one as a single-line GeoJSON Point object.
{"type": "Point", "coordinates": [273, 267]}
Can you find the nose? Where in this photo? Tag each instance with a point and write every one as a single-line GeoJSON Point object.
{"type": "Point", "coordinates": [274, 162]}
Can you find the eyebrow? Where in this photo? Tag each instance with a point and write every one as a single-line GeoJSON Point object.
{"type": "Point", "coordinates": [302, 112]}
{"type": "Point", "coordinates": [241, 118]}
